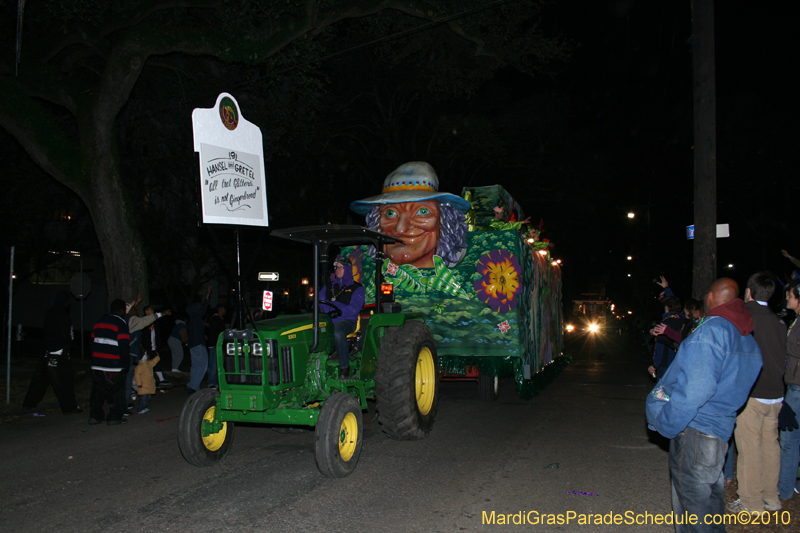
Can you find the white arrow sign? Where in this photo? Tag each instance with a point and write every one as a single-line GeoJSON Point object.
{"type": "Point", "coordinates": [268, 276]}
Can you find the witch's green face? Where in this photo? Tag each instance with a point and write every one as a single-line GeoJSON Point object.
{"type": "Point", "coordinates": [417, 224]}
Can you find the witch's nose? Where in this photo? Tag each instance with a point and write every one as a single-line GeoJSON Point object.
{"type": "Point", "coordinates": [403, 223]}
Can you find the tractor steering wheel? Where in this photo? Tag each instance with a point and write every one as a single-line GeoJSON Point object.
{"type": "Point", "coordinates": [334, 313]}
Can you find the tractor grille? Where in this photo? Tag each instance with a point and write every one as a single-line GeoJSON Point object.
{"type": "Point", "coordinates": [272, 360]}
{"type": "Point", "coordinates": [243, 360]}
{"type": "Point", "coordinates": [286, 363]}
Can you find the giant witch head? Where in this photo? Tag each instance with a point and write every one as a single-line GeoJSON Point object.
{"type": "Point", "coordinates": [412, 209]}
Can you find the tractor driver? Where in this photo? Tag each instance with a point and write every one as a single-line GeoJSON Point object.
{"type": "Point", "coordinates": [348, 295]}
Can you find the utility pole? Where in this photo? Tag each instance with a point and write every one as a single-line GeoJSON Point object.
{"type": "Point", "coordinates": [705, 147]}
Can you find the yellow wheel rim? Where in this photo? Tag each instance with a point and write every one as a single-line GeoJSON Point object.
{"type": "Point", "coordinates": [214, 441]}
{"type": "Point", "coordinates": [348, 437]}
{"type": "Point", "coordinates": [426, 381]}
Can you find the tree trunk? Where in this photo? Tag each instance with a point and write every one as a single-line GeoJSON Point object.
{"type": "Point", "coordinates": [705, 147]}
{"type": "Point", "coordinates": [121, 242]}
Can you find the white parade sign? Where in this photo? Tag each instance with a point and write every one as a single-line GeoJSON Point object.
{"type": "Point", "coordinates": [266, 303]}
{"type": "Point", "coordinates": [232, 178]}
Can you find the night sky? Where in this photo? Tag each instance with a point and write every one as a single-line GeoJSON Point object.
{"type": "Point", "coordinates": [631, 81]}
{"type": "Point", "coordinates": [607, 132]}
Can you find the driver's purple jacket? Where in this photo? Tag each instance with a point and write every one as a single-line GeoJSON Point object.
{"type": "Point", "coordinates": [346, 293]}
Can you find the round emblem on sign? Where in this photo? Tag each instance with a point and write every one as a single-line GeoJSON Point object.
{"type": "Point", "coordinates": [228, 113]}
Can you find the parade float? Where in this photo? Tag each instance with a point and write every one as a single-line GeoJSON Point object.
{"type": "Point", "coordinates": [490, 291]}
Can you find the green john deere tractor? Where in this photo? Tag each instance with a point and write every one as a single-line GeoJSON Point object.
{"type": "Point", "coordinates": [283, 371]}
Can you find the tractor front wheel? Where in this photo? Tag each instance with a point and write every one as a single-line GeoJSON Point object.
{"type": "Point", "coordinates": [407, 381]}
{"type": "Point", "coordinates": [338, 435]}
{"type": "Point", "coordinates": [202, 441]}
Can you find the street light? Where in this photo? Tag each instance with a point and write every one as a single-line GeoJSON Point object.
{"type": "Point", "coordinates": [631, 214]}
{"type": "Point", "coordinates": [630, 258]}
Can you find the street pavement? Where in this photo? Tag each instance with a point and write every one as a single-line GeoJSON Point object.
{"type": "Point", "coordinates": [581, 446]}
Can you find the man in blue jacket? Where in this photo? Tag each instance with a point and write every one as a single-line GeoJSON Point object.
{"type": "Point", "coordinates": [694, 404]}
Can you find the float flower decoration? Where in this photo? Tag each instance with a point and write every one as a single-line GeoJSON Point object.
{"type": "Point", "coordinates": [499, 285]}
{"type": "Point", "coordinates": [412, 279]}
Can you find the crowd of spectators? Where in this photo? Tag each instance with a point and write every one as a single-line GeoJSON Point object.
{"type": "Point", "coordinates": [727, 374]}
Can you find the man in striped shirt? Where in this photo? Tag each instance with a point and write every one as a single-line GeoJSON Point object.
{"type": "Point", "coordinates": [110, 362]}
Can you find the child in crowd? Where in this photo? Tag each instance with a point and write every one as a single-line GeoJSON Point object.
{"type": "Point", "coordinates": [145, 382]}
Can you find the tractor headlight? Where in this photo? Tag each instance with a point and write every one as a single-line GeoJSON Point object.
{"type": "Point", "coordinates": [570, 328]}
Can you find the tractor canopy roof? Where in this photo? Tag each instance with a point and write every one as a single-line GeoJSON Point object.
{"type": "Point", "coordinates": [335, 234]}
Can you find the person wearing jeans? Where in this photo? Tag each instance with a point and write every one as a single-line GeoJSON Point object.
{"type": "Point", "coordinates": [788, 485]}
{"type": "Point", "coordinates": [197, 342]}
{"type": "Point", "coordinates": [698, 485]}
{"type": "Point", "coordinates": [790, 437]}
{"type": "Point", "coordinates": [347, 295]}
{"type": "Point", "coordinates": [694, 403]}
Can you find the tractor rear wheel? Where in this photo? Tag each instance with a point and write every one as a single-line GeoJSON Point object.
{"type": "Point", "coordinates": [338, 435]}
{"type": "Point", "coordinates": [198, 445]}
{"type": "Point", "coordinates": [407, 381]}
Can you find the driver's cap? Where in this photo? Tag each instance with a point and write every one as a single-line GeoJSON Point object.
{"type": "Point", "coordinates": [342, 261]}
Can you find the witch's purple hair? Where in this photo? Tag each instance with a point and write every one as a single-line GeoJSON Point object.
{"type": "Point", "coordinates": [452, 231]}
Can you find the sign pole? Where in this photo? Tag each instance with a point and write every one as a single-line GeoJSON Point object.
{"type": "Point", "coordinates": [239, 281]}
{"type": "Point", "coordinates": [10, 309]}
{"type": "Point", "coordinates": [82, 296]}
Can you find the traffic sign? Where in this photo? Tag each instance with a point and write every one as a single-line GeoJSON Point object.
{"type": "Point", "coordinates": [266, 303]}
{"type": "Point", "coordinates": [268, 276]}
{"type": "Point", "coordinates": [723, 230]}
{"type": "Point", "coordinates": [80, 285]}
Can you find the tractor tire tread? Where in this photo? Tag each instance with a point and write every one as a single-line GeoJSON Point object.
{"type": "Point", "coordinates": [395, 382]}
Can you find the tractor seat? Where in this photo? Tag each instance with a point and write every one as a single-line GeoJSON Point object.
{"type": "Point", "coordinates": [364, 316]}
{"type": "Point", "coordinates": [358, 328]}
{"type": "Point", "coordinates": [356, 339]}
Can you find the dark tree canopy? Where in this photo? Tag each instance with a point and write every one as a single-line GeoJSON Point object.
{"type": "Point", "coordinates": [69, 100]}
